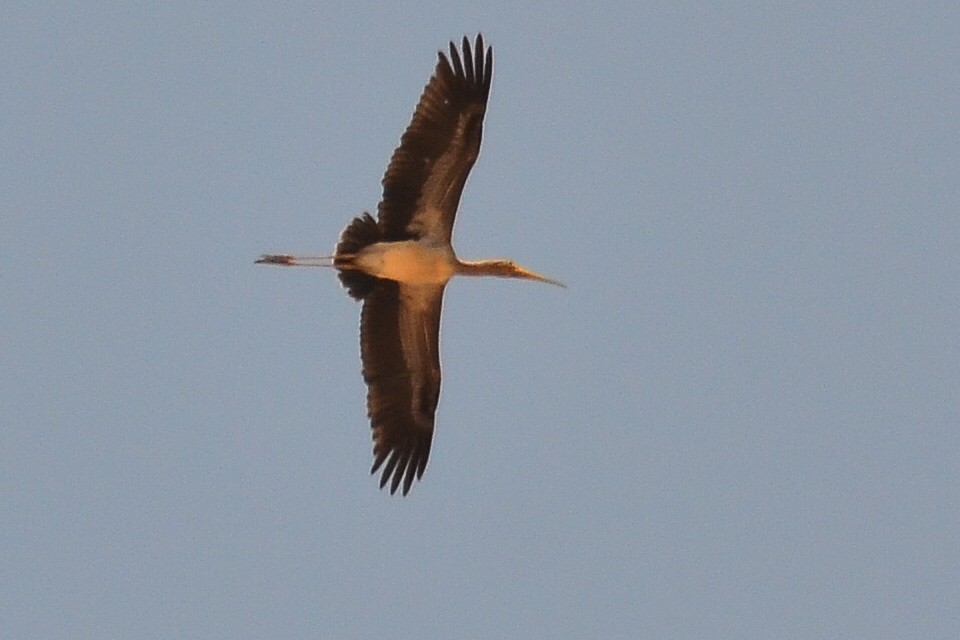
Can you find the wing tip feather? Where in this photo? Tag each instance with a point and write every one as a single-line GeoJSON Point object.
{"type": "Point", "coordinates": [405, 461]}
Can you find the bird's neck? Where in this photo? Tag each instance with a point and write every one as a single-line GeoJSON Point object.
{"type": "Point", "coordinates": [493, 267]}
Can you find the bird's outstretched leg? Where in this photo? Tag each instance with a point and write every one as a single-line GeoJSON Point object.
{"type": "Point", "coordinates": [286, 260]}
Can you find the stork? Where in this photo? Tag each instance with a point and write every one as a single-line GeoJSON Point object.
{"type": "Point", "coordinates": [399, 264]}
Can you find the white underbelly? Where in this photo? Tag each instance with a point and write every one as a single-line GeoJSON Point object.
{"type": "Point", "coordinates": [408, 261]}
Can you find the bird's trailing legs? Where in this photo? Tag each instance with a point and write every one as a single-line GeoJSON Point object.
{"type": "Point", "coordinates": [286, 260]}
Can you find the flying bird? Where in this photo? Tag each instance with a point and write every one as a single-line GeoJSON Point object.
{"type": "Point", "coordinates": [399, 264]}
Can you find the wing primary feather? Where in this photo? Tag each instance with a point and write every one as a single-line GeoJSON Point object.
{"type": "Point", "coordinates": [404, 459]}
{"type": "Point", "coordinates": [468, 61]}
{"type": "Point", "coordinates": [455, 60]}
{"type": "Point", "coordinates": [379, 456]}
{"type": "Point", "coordinates": [389, 469]}
{"type": "Point", "coordinates": [408, 475]}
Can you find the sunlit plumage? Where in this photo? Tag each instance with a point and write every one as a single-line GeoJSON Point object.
{"type": "Point", "coordinates": [399, 264]}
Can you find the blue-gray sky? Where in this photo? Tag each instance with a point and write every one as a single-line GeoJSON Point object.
{"type": "Point", "coordinates": [742, 419]}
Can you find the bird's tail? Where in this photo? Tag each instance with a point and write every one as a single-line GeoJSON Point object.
{"type": "Point", "coordinates": [361, 232]}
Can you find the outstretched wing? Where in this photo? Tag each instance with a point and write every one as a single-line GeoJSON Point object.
{"type": "Point", "coordinates": [425, 177]}
{"type": "Point", "coordinates": [400, 352]}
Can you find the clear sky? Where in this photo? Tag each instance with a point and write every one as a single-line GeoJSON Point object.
{"type": "Point", "coordinates": [741, 420]}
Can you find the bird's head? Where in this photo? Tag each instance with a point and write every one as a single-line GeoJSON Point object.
{"type": "Point", "coordinates": [504, 268]}
{"type": "Point", "coordinates": [516, 271]}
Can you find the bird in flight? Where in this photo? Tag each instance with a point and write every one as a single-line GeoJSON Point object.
{"type": "Point", "coordinates": [399, 264]}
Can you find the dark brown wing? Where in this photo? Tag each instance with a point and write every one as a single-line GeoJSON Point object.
{"type": "Point", "coordinates": [399, 348]}
{"type": "Point", "coordinates": [425, 177]}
